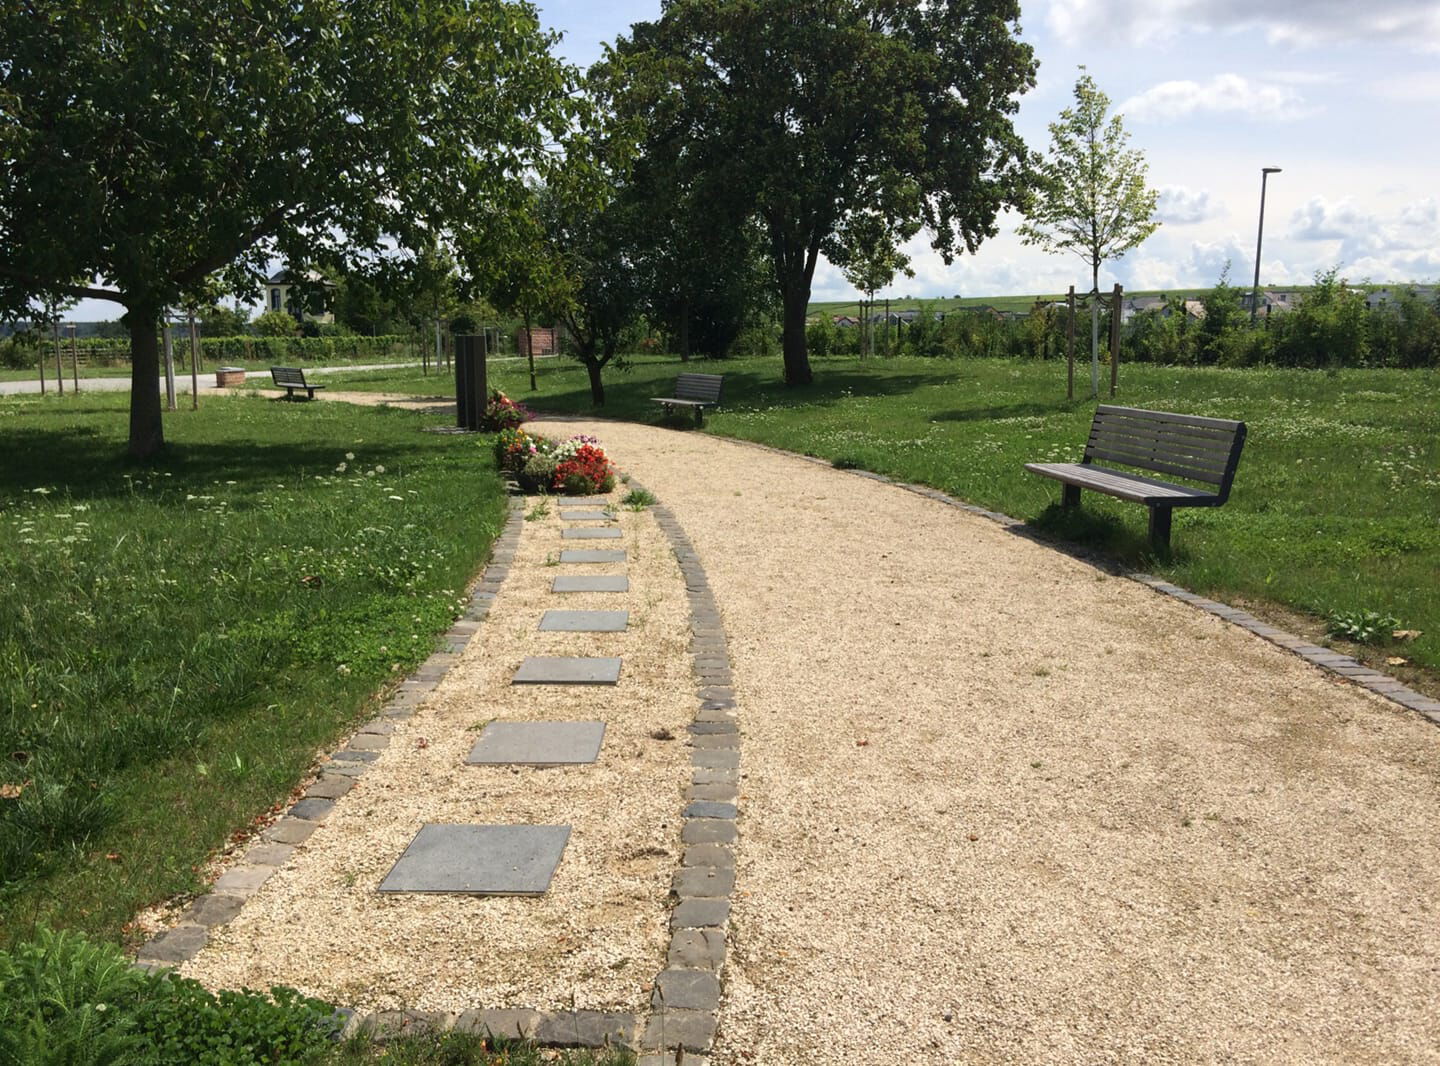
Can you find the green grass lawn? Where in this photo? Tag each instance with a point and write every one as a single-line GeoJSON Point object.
{"type": "Point", "coordinates": [1333, 509]}
{"type": "Point", "coordinates": [178, 640]}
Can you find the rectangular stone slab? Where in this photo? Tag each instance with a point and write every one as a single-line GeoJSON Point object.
{"type": "Point", "coordinates": [578, 583]}
{"type": "Point", "coordinates": [590, 534]}
{"type": "Point", "coordinates": [537, 744]}
{"type": "Point", "coordinates": [582, 501]}
{"type": "Point", "coordinates": [586, 516]}
{"type": "Point", "coordinates": [580, 555]}
{"type": "Point", "coordinates": [557, 670]}
{"type": "Point", "coordinates": [479, 860]}
{"type": "Point", "coordinates": [584, 621]}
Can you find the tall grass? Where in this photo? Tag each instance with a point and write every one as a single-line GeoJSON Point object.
{"type": "Point", "coordinates": [176, 641]}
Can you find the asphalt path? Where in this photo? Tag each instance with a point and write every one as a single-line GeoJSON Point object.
{"type": "Point", "coordinates": [182, 380]}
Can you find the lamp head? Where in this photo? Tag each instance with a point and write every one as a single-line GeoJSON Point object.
{"type": "Point", "coordinates": [1269, 170]}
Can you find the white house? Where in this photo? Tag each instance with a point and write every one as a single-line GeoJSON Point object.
{"type": "Point", "coordinates": [277, 294]}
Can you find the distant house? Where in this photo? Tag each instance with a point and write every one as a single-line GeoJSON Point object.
{"type": "Point", "coordinates": [277, 294]}
{"type": "Point", "coordinates": [845, 321]}
{"type": "Point", "coordinates": [1379, 299]}
{"type": "Point", "coordinates": [1272, 302]}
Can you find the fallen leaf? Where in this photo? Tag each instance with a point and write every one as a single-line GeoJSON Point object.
{"type": "Point", "coordinates": [1406, 634]}
{"type": "Point", "coordinates": [22, 757]}
{"type": "Point", "coordinates": [421, 742]}
{"type": "Point", "coordinates": [1396, 660]}
{"type": "Point", "coordinates": [862, 743]}
{"type": "Point", "coordinates": [973, 837]}
{"type": "Point", "coordinates": [113, 856]}
{"type": "Point", "coordinates": [12, 792]}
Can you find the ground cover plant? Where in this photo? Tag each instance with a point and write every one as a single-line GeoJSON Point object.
{"type": "Point", "coordinates": [178, 640]}
{"type": "Point", "coordinates": [69, 1001]}
{"type": "Point", "coordinates": [1332, 512]}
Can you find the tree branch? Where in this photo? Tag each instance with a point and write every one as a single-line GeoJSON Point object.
{"type": "Point", "coordinates": [82, 292]}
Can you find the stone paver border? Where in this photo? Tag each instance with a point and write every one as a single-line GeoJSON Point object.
{"type": "Point", "coordinates": [685, 1001]}
{"type": "Point", "coordinates": [275, 844]}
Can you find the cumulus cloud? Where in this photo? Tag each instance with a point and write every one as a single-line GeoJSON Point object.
{"type": "Point", "coordinates": [1410, 23]}
{"type": "Point", "coordinates": [1222, 94]}
{"type": "Point", "coordinates": [1182, 206]}
{"type": "Point", "coordinates": [1418, 87]}
{"type": "Point", "coordinates": [1404, 246]}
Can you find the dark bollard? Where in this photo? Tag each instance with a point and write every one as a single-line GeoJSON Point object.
{"type": "Point", "coordinates": [470, 391]}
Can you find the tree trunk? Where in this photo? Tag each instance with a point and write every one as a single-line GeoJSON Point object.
{"type": "Point", "coordinates": [593, 367]}
{"type": "Point", "coordinates": [797, 359]}
{"type": "Point", "coordinates": [147, 431]}
{"type": "Point", "coordinates": [685, 329]}
{"type": "Point", "coordinates": [530, 350]}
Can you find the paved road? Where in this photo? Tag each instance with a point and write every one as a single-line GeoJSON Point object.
{"type": "Point", "coordinates": [182, 380]}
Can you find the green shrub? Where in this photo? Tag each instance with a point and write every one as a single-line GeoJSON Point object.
{"type": "Point", "coordinates": [65, 1001]}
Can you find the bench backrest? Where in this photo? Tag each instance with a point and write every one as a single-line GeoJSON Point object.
{"type": "Point", "coordinates": [703, 388]}
{"type": "Point", "coordinates": [1187, 446]}
{"type": "Point", "coordinates": [288, 375]}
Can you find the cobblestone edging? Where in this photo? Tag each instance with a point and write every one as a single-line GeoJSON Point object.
{"type": "Point", "coordinates": [1325, 658]}
{"type": "Point", "coordinates": [275, 844]}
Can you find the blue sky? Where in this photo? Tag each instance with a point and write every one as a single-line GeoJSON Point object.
{"type": "Point", "coordinates": [1344, 96]}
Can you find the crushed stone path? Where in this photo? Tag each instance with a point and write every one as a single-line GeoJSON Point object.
{"type": "Point", "coordinates": [998, 805]}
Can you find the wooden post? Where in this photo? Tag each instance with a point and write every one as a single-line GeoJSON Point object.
{"type": "Point", "coordinates": [194, 364]}
{"type": "Point", "coordinates": [530, 350]}
{"type": "Point", "coordinates": [169, 362]}
{"type": "Point", "coordinates": [1070, 348]}
{"type": "Point", "coordinates": [74, 357]}
{"type": "Point", "coordinates": [887, 327]}
{"type": "Point", "coordinates": [59, 367]}
{"type": "Point", "coordinates": [1115, 337]}
{"type": "Point", "coordinates": [40, 362]}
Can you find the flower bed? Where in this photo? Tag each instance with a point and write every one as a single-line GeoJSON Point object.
{"type": "Point", "coordinates": [577, 465]}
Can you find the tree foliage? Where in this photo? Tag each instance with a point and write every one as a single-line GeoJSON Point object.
{"type": "Point", "coordinates": [803, 113]}
{"type": "Point", "coordinates": [151, 144]}
{"type": "Point", "coordinates": [1092, 199]}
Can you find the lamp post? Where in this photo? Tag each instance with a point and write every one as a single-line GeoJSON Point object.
{"type": "Point", "coordinates": [1265, 173]}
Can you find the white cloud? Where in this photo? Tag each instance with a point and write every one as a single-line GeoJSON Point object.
{"type": "Point", "coordinates": [1419, 87]}
{"type": "Point", "coordinates": [1222, 94]}
{"type": "Point", "coordinates": [1182, 206]}
{"type": "Point", "coordinates": [1402, 246]}
{"type": "Point", "coordinates": [1410, 23]}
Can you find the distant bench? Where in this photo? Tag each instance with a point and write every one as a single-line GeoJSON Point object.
{"type": "Point", "coordinates": [1206, 450]}
{"type": "Point", "coordinates": [291, 378]}
{"type": "Point", "coordinates": [696, 391]}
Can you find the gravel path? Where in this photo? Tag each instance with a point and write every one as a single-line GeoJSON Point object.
{"type": "Point", "coordinates": [598, 936]}
{"type": "Point", "coordinates": [998, 806]}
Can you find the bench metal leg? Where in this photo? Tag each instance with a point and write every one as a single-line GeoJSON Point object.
{"type": "Point", "coordinates": [699, 416]}
{"type": "Point", "coordinates": [1069, 496]}
{"type": "Point", "coordinates": [1160, 529]}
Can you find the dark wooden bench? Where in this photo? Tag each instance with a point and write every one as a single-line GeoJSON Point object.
{"type": "Point", "coordinates": [291, 378]}
{"type": "Point", "coordinates": [1204, 450]}
{"type": "Point", "coordinates": [696, 391]}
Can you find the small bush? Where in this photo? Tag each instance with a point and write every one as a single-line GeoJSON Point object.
{"type": "Point", "coordinates": [1362, 627]}
{"type": "Point", "coordinates": [538, 473]}
{"type": "Point", "coordinates": [587, 471]}
{"type": "Point", "coordinates": [504, 413]}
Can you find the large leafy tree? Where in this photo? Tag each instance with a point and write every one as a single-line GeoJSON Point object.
{"type": "Point", "coordinates": [148, 145]}
{"type": "Point", "coordinates": [1092, 199]}
{"type": "Point", "coordinates": [812, 110]}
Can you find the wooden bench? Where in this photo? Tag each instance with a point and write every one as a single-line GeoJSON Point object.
{"type": "Point", "coordinates": [291, 378]}
{"type": "Point", "coordinates": [1205, 450]}
{"type": "Point", "coordinates": [696, 391]}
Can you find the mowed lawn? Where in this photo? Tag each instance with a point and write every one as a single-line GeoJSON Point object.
{"type": "Point", "coordinates": [1336, 505]}
{"type": "Point", "coordinates": [179, 639]}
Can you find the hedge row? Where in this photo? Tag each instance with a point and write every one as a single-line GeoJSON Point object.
{"type": "Point", "coordinates": [95, 351]}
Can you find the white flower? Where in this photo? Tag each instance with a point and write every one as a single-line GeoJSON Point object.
{"type": "Point", "coordinates": [343, 668]}
{"type": "Point", "coordinates": [340, 469]}
{"type": "Point", "coordinates": [350, 456]}
{"type": "Point", "coordinates": [400, 498]}
{"type": "Point", "coordinates": [41, 492]}
{"type": "Point", "coordinates": [379, 469]}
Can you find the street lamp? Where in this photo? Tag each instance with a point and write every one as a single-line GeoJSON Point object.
{"type": "Point", "coordinates": [1265, 173]}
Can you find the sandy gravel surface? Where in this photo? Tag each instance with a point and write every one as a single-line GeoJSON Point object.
{"type": "Point", "coordinates": [999, 807]}
{"type": "Point", "coordinates": [599, 934]}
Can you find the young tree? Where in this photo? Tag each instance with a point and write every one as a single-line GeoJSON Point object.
{"type": "Point", "coordinates": [149, 144]}
{"type": "Point", "coordinates": [812, 110]}
{"type": "Point", "coordinates": [867, 253]}
{"type": "Point", "coordinates": [1092, 199]}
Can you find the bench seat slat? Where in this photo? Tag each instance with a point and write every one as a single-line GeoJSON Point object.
{"type": "Point", "coordinates": [1217, 445]}
{"type": "Point", "coordinates": [1125, 486]}
{"type": "Point", "coordinates": [683, 403]}
{"type": "Point", "coordinates": [1160, 463]}
{"type": "Point", "coordinates": [1137, 453]}
{"type": "Point", "coordinates": [1168, 418]}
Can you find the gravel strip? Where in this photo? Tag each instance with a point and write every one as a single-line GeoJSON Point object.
{"type": "Point", "coordinates": [1000, 806]}
{"type": "Point", "coordinates": [599, 935]}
